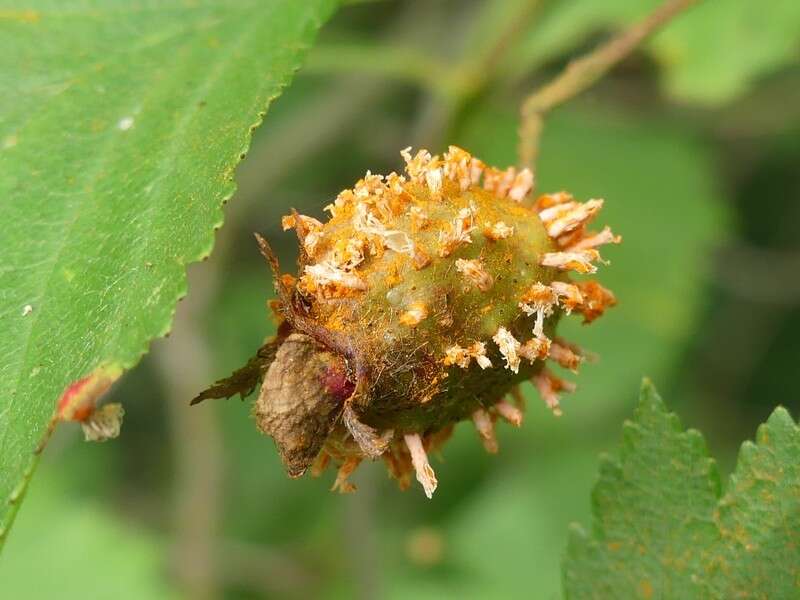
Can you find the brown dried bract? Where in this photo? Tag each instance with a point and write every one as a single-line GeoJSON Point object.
{"type": "Point", "coordinates": [302, 396]}
{"type": "Point", "coordinates": [244, 380]}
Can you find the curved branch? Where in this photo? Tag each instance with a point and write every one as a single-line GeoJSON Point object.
{"type": "Point", "coordinates": [583, 73]}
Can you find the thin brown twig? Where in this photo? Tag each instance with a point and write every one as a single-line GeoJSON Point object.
{"type": "Point", "coordinates": [471, 73]}
{"type": "Point", "coordinates": [359, 537]}
{"type": "Point", "coordinates": [264, 571]}
{"type": "Point", "coordinates": [476, 70]}
{"type": "Point", "coordinates": [584, 72]}
{"type": "Point", "coordinates": [196, 443]}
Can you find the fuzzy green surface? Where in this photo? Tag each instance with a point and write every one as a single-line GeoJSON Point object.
{"type": "Point", "coordinates": [662, 528]}
{"type": "Point", "coordinates": [120, 129]}
{"type": "Point", "coordinates": [411, 388]}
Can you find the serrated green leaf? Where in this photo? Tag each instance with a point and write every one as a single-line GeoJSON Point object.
{"type": "Point", "coordinates": [662, 529]}
{"type": "Point", "coordinates": [120, 129]}
{"type": "Point", "coordinates": [759, 518]}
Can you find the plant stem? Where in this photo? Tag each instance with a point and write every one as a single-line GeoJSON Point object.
{"type": "Point", "coordinates": [197, 443]}
{"type": "Point", "coordinates": [580, 74]}
{"type": "Point", "coordinates": [476, 69]}
{"type": "Point", "coordinates": [469, 75]}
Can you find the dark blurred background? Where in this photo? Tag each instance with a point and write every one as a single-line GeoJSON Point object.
{"type": "Point", "coordinates": [694, 142]}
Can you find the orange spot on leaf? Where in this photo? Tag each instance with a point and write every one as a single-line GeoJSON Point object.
{"type": "Point", "coordinates": [79, 400]}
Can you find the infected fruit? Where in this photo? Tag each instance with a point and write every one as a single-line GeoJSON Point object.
{"type": "Point", "coordinates": [424, 300]}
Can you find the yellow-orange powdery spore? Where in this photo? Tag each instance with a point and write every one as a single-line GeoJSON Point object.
{"type": "Point", "coordinates": [442, 287]}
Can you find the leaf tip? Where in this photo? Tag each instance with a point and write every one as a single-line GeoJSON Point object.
{"type": "Point", "coordinates": [577, 535]}
{"type": "Point", "coordinates": [651, 407]}
{"type": "Point", "coordinates": [781, 417]}
{"type": "Point", "coordinates": [648, 391]}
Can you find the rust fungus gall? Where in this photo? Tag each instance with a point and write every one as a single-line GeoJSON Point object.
{"type": "Point", "coordinates": [424, 300]}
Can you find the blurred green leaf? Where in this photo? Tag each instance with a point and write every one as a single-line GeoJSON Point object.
{"type": "Point", "coordinates": [720, 49]}
{"type": "Point", "coordinates": [85, 550]}
{"type": "Point", "coordinates": [119, 144]}
{"type": "Point", "coordinates": [564, 25]}
{"type": "Point", "coordinates": [661, 528]}
{"type": "Point", "coordinates": [711, 54]}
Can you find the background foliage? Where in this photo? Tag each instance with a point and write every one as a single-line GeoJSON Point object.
{"type": "Point", "coordinates": [694, 147]}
